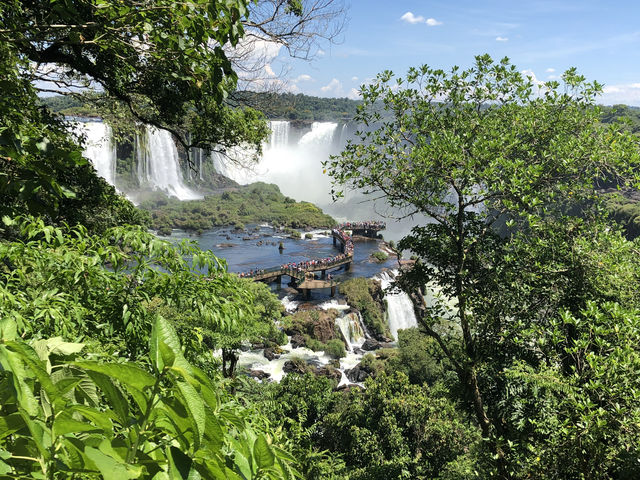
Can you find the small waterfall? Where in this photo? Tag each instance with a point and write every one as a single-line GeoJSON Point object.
{"type": "Point", "coordinates": [400, 314]}
{"type": "Point", "coordinates": [351, 327]}
{"type": "Point", "coordinates": [161, 168]}
{"type": "Point", "coordinates": [100, 149]}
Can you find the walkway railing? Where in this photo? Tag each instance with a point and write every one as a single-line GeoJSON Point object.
{"type": "Point", "coordinates": [297, 270]}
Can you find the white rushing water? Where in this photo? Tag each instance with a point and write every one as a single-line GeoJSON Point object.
{"type": "Point", "coordinates": [255, 360]}
{"type": "Point", "coordinates": [350, 326]}
{"type": "Point", "coordinates": [100, 149]}
{"type": "Point", "coordinates": [295, 166]}
{"type": "Point", "coordinates": [400, 314]}
{"type": "Point", "coordinates": [158, 166]}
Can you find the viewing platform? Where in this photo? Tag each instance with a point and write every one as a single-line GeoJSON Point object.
{"type": "Point", "coordinates": [302, 274]}
{"type": "Point", "coordinates": [364, 229]}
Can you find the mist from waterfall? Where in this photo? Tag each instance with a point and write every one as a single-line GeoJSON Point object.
{"type": "Point", "coordinates": [400, 313]}
{"type": "Point", "coordinates": [294, 165]}
{"type": "Point", "coordinates": [100, 148]}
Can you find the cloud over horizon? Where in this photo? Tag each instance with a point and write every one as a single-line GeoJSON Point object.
{"type": "Point", "coordinates": [334, 87]}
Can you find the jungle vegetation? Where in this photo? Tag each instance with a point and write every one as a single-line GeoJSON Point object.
{"type": "Point", "coordinates": [524, 367]}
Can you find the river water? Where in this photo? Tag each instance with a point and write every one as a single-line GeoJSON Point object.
{"type": "Point", "coordinates": [257, 247]}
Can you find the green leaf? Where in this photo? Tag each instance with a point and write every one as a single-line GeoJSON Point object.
{"type": "Point", "coordinates": [180, 464]}
{"type": "Point", "coordinates": [4, 468]}
{"type": "Point", "coordinates": [262, 453]}
{"type": "Point", "coordinates": [64, 424]}
{"type": "Point", "coordinates": [37, 367]}
{"type": "Point", "coordinates": [110, 468]}
{"type": "Point", "coordinates": [113, 394]}
{"type": "Point", "coordinates": [57, 346]}
{"type": "Point", "coordinates": [8, 329]}
{"type": "Point", "coordinates": [165, 347]}
{"type": "Point", "coordinates": [194, 405]}
{"type": "Point", "coordinates": [98, 417]}
{"type": "Point", "coordinates": [12, 363]}
{"type": "Point", "coordinates": [128, 374]}
{"type": "Point", "coordinates": [10, 424]}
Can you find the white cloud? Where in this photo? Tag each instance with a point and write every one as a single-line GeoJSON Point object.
{"type": "Point", "coordinates": [550, 70]}
{"type": "Point", "coordinates": [531, 74]}
{"type": "Point", "coordinates": [432, 22]}
{"type": "Point", "coordinates": [320, 53]}
{"type": "Point", "coordinates": [334, 87]}
{"type": "Point", "coordinates": [304, 78]}
{"type": "Point", "coordinates": [354, 79]}
{"type": "Point", "coordinates": [628, 93]}
{"type": "Point", "coordinates": [502, 39]}
{"type": "Point", "coordinates": [269, 70]}
{"type": "Point", "coordinates": [411, 18]}
{"type": "Point", "coordinates": [354, 94]}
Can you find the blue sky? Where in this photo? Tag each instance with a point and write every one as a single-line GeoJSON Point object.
{"type": "Point", "coordinates": [542, 37]}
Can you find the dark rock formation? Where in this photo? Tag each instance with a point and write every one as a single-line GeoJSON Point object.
{"type": "Point", "coordinates": [370, 344]}
{"type": "Point", "coordinates": [270, 353]}
{"type": "Point", "coordinates": [258, 374]}
{"type": "Point", "coordinates": [329, 372]}
{"type": "Point", "coordinates": [357, 374]}
{"type": "Point", "coordinates": [297, 341]}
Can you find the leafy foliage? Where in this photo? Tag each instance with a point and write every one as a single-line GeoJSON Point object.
{"type": "Point", "coordinates": [117, 420]}
{"type": "Point", "coordinates": [255, 203]}
{"type": "Point", "coordinates": [478, 148]}
{"type": "Point", "coordinates": [366, 295]}
{"type": "Point", "coordinates": [61, 281]}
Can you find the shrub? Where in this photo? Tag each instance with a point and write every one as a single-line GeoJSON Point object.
{"type": "Point", "coordinates": [335, 348]}
{"type": "Point", "coordinates": [379, 256]}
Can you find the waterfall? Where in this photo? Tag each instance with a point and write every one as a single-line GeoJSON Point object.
{"type": "Point", "coordinates": [296, 167]}
{"type": "Point", "coordinates": [279, 134]}
{"type": "Point", "coordinates": [100, 149]}
{"type": "Point", "coordinates": [350, 326]}
{"type": "Point", "coordinates": [400, 314]}
{"type": "Point", "coordinates": [161, 169]}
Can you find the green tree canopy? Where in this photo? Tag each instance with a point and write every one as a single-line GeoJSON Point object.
{"type": "Point", "coordinates": [475, 149]}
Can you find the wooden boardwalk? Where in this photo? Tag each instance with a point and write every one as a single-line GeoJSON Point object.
{"type": "Point", "coordinates": [303, 278]}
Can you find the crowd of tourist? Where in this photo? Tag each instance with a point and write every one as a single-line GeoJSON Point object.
{"type": "Point", "coordinates": [314, 264]}
{"type": "Point", "coordinates": [346, 240]}
{"type": "Point", "coordinates": [370, 225]}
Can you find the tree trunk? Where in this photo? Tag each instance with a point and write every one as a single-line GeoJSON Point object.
{"type": "Point", "coordinates": [229, 362]}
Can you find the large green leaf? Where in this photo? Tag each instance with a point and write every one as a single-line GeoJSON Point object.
{"type": "Point", "coordinates": [10, 424]}
{"type": "Point", "coordinates": [262, 452]}
{"type": "Point", "coordinates": [114, 396]}
{"type": "Point", "coordinates": [110, 468]}
{"type": "Point", "coordinates": [194, 406]}
{"type": "Point", "coordinates": [128, 374]}
{"type": "Point", "coordinates": [57, 346]}
{"type": "Point", "coordinates": [8, 329]}
{"type": "Point", "coordinates": [64, 424]}
{"type": "Point", "coordinates": [99, 418]}
{"type": "Point", "coordinates": [11, 362]}
{"type": "Point", "coordinates": [37, 368]}
{"type": "Point", "coordinates": [165, 346]}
